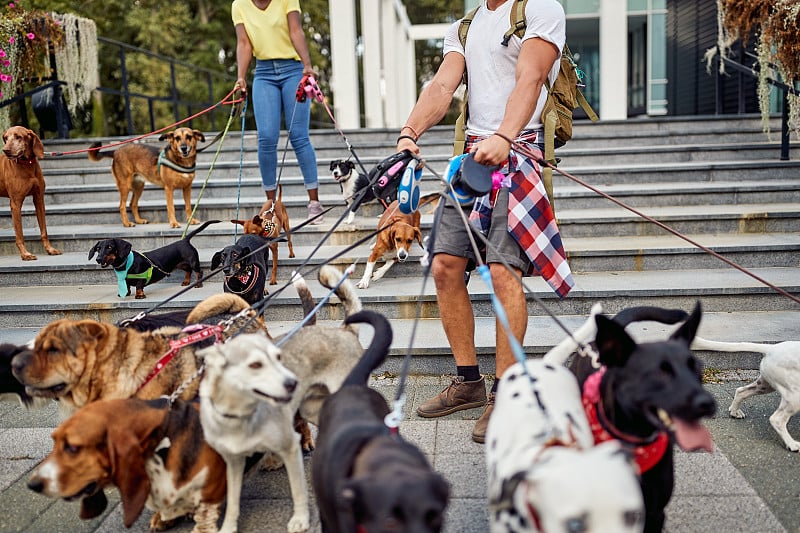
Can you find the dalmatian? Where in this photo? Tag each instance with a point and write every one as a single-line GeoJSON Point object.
{"type": "Point", "coordinates": [544, 472]}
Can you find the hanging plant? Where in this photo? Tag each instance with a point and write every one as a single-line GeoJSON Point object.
{"type": "Point", "coordinates": [774, 24]}
{"type": "Point", "coordinates": [76, 59]}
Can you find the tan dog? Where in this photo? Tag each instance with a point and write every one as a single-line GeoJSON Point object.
{"type": "Point", "coordinates": [153, 453]}
{"type": "Point", "coordinates": [21, 176]}
{"type": "Point", "coordinates": [269, 224]}
{"type": "Point", "coordinates": [392, 244]}
{"type": "Point", "coordinates": [172, 167]}
{"type": "Point", "coordinates": [81, 361]}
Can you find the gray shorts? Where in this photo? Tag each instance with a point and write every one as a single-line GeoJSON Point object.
{"type": "Point", "coordinates": [452, 238]}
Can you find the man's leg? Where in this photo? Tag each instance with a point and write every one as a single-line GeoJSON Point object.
{"type": "Point", "coordinates": [458, 322]}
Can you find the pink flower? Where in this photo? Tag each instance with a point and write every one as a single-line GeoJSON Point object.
{"type": "Point", "coordinates": [30, 36]}
{"type": "Point", "coordinates": [11, 5]}
{"type": "Point", "coordinates": [6, 62]}
{"type": "Point", "coordinates": [5, 77]}
{"type": "Point", "coordinates": [12, 40]}
{"type": "Point", "coordinates": [2, 53]}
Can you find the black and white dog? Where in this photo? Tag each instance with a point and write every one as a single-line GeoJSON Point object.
{"type": "Point", "coordinates": [351, 183]}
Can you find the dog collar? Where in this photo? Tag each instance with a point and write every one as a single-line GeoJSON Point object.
{"type": "Point", "coordinates": [247, 277]}
{"type": "Point", "coordinates": [647, 452]}
{"type": "Point", "coordinates": [22, 160]}
{"type": "Point", "coordinates": [164, 160]}
{"type": "Point", "coordinates": [176, 345]}
{"type": "Point", "coordinates": [122, 274]}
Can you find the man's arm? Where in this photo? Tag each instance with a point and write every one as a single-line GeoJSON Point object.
{"type": "Point", "coordinates": [434, 100]}
{"type": "Point", "coordinates": [535, 60]}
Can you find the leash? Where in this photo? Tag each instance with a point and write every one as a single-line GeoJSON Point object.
{"type": "Point", "coordinates": [241, 169]}
{"type": "Point", "coordinates": [225, 101]}
{"type": "Point", "coordinates": [210, 170]}
{"type": "Point", "coordinates": [543, 163]}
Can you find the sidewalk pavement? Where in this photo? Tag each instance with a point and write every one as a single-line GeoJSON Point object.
{"type": "Point", "coordinates": [748, 485]}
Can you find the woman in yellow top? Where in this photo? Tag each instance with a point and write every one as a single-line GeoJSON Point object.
{"type": "Point", "coordinates": [270, 31]}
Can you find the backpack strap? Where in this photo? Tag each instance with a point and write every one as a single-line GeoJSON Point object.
{"type": "Point", "coordinates": [461, 121]}
{"type": "Point", "coordinates": [518, 22]}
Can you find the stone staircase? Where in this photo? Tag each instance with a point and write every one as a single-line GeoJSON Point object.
{"type": "Point", "coordinates": [717, 180]}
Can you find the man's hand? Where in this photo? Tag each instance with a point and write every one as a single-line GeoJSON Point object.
{"type": "Point", "coordinates": [492, 150]}
{"type": "Point", "coordinates": [407, 144]}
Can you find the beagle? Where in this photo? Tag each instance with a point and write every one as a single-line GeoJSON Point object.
{"type": "Point", "coordinates": [393, 244]}
{"type": "Point", "coordinates": [153, 453]}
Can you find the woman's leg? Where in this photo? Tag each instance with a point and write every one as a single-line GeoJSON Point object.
{"type": "Point", "coordinates": [266, 94]}
{"type": "Point", "coordinates": [297, 115]}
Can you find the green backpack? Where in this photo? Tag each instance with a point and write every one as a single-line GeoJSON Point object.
{"type": "Point", "coordinates": [562, 98]}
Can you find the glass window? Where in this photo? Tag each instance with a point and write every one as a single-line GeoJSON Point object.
{"type": "Point", "coordinates": [581, 7]}
{"type": "Point", "coordinates": [637, 5]}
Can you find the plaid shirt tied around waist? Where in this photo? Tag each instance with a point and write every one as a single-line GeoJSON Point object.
{"type": "Point", "coordinates": [531, 221]}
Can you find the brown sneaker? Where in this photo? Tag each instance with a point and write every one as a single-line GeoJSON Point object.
{"type": "Point", "coordinates": [458, 395]}
{"type": "Point", "coordinates": [479, 433]}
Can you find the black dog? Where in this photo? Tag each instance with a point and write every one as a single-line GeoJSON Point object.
{"type": "Point", "coordinates": [140, 269]}
{"type": "Point", "coordinates": [245, 272]}
{"type": "Point", "coordinates": [10, 385]}
{"type": "Point", "coordinates": [649, 396]}
{"type": "Point", "coordinates": [364, 478]}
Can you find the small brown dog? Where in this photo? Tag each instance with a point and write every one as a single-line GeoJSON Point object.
{"type": "Point", "coordinates": [21, 176]}
{"type": "Point", "coordinates": [269, 224]}
{"type": "Point", "coordinates": [393, 244]}
{"type": "Point", "coordinates": [172, 167]}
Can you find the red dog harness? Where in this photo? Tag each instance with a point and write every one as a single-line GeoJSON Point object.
{"type": "Point", "coordinates": [646, 452]}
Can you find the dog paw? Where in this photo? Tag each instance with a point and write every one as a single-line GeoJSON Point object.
{"type": "Point", "coordinates": [53, 251]}
{"type": "Point", "coordinates": [363, 284]}
{"type": "Point", "coordinates": [271, 461]}
{"type": "Point", "coordinates": [28, 256]}
{"type": "Point", "coordinates": [174, 225]}
{"type": "Point", "coordinates": [736, 413]}
{"type": "Point", "coordinates": [298, 524]}
{"type": "Point", "coordinates": [157, 524]}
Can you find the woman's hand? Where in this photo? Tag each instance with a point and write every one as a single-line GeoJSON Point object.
{"type": "Point", "coordinates": [241, 85]}
{"type": "Point", "coordinates": [309, 71]}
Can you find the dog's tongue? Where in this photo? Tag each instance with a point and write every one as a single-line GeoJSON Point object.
{"type": "Point", "coordinates": [692, 436]}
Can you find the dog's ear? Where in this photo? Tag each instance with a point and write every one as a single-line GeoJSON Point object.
{"type": "Point", "coordinates": [94, 249]}
{"type": "Point", "coordinates": [127, 460]}
{"type": "Point", "coordinates": [123, 247]}
{"type": "Point", "coordinates": [613, 342]}
{"type": "Point", "coordinates": [688, 330]}
{"type": "Point", "coordinates": [168, 135]}
{"type": "Point", "coordinates": [199, 135]}
{"type": "Point", "coordinates": [333, 165]}
{"type": "Point", "coordinates": [350, 165]}
{"type": "Point", "coordinates": [216, 260]}
{"type": "Point", "coordinates": [418, 235]}
{"type": "Point", "coordinates": [36, 144]}
{"type": "Point", "coordinates": [240, 222]}
{"type": "Point", "coordinates": [94, 505]}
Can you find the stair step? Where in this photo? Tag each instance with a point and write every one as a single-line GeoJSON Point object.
{"type": "Point", "coordinates": [720, 290]}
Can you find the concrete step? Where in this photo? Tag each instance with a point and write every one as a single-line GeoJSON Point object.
{"type": "Point", "coordinates": [432, 355]}
{"type": "Point", "coordinates": [75, 228]}
{"type": "Point", "coordinates": [588, 254]}
{"type": "Point", "coordinates": [720, 290]}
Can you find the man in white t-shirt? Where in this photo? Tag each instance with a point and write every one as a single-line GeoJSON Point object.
{"type": "Point", "coordinates": [505, 101]}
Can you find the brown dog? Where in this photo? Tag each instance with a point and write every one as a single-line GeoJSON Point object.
{"type": "Point", "coordinates": [155, 454]}
{"type": "Point", "coordinates": [392, 244]}
{"type": "Point", "coordinates": [21, 176]}
{"type": "Point", "coordinates": [172, 168]}
{"type": "Point", "coordinates": [269, 224]}
{"type": "Point", "coordinates": [81, 361]}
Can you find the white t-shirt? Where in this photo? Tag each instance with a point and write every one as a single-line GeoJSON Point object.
{"type": "Point", "coordinates": [491, 67]}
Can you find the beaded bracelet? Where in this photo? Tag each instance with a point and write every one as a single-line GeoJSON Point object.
{"type": "Point", "coordinates": [417, 135]}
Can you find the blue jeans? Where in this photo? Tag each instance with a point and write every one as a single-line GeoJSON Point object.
{"type": "Point", "coordinates": [274, 86]}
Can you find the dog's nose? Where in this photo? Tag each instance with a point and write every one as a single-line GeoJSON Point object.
{"type": "Point", "coordinates": [290, 385]}
{"type": "Point", "coordinates": [36, 484]}
{"type": "Point", "coordinates": [18, 364]}
{"type": "Point", "coordinates": [402, 255]}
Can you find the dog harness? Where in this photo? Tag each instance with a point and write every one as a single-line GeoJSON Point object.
{"type": "Point", "coordinates": [122, 274]}
{"type": "Point", "coordinates": [268, 224]}
{"type": "Point", "coordinates": [246, 277]}
{"type": "Point", "coordinates": [164, 160]}
{"type": "Point", "coordinates": [175, 345]}
{"type": "Point", "coordinates": [647, 452]}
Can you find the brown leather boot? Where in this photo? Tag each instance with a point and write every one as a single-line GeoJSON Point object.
{"type": "Point", "coordinates": [458, 395]}
{"type": "Point", "coordinates": [479, 433]}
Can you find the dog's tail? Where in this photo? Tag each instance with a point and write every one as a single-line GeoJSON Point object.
{"type": "Point", "coordinates": [378, 349]}
{"type": "Point", "coordinates": [559, 354]}
{"type": "Point", "coordinates": [646, 313]}
{"type": "Point", "coordinates": [700, 343]}
{"type": "Point", "coordinates": [329, 276]}
{"type": "Point", "coordinates": [306, 299]}
{"type": "Point", "coordinates": [96, 155]}
{"type": "Point", "coordinates": [203, 226]}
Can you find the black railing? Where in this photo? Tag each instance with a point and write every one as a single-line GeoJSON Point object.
{"type": "Point", "coordinates": [58, 114]}
{"type": "Point", "coordinates": [753, 72]}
